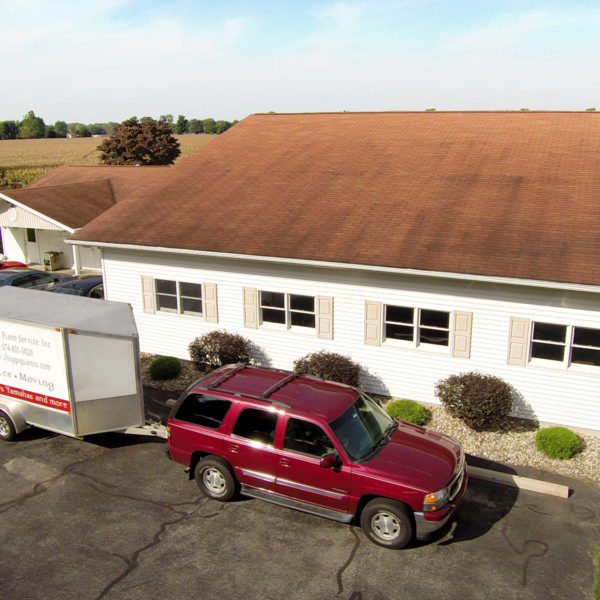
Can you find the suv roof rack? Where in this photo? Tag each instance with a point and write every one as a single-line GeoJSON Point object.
{"type": "Point", "coordinates": [264, 396]}
{"type": "Point", "coordinates": [225, 376]}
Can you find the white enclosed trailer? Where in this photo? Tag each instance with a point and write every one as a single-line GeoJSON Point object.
{"type": "Point", "coordinates": [68, 364]}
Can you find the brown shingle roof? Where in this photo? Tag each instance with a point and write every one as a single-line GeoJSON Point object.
{"type": "Point", "coordinates": [73, 205]}
{"type": "Point", "coordinates": [74, 196]}
{"type": "Point", "coordinates": [499, 194]}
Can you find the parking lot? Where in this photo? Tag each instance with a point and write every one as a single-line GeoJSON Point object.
{"type": "Point", "coordinates": [111, 517]}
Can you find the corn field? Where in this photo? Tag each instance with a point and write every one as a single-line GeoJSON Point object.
{"type": "Point", "coordinates": [24, 161]}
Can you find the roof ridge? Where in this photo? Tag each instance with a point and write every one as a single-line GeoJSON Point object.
{"type": "Point", "coordinates": [436, 111]}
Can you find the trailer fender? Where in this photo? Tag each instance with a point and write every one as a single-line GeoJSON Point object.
{"type": "Point", "coordinates": [15, 411]}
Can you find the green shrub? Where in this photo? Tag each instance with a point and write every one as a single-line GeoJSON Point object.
{"type": "Point", "coordinates": [218, 348]}
{"type": "Point", "coordinates": [164, 367]}
{"type": "Point", "coordinates": [407, 410]}
{"type": "Point", "coordinates": [482, 401]}
{"type": "Point", "coordinates": [557, 442]}
{"type": "Point", "coordinates": [330, 366]}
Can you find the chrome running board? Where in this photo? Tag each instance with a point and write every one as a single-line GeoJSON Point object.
{"type": "Point", "coordinates": [319, 511]}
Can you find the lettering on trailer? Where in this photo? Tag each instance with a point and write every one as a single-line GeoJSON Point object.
{"type": "Point", "coordinates": [32, 364]}
{"type": "Point", "coordinates": [41, 399]}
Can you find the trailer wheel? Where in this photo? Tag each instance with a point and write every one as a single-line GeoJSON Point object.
{"type": "Point", "coordinates": [7, 427]}
{"type": "Point", "coordinates": [215, 478]}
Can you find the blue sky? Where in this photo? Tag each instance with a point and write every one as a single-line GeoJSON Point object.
{"type": "Point", "coordinates": [71, 61]}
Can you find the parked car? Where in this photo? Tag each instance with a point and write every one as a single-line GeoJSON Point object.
{"type": "Point", "coordinates": [32, 278]}
{"type": "Point", "coordinates": [9, 264]}
{"type": "Point", "coordinates": [86, 286]}
{"type": "Point", "coordinates": [317, 446]}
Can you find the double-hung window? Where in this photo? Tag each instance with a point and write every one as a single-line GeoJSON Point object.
{"type": "Point", "coordinates": [287, 310]}
{"type": "Point", "coordinates": [416, 326]}
{"type": "Point", "coordinates": [565, 344]}
{"type": "Point", "coordinates": [179, 297]}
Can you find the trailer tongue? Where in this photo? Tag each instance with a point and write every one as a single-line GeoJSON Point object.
{"type": "Point", "coordinates": [69, 364]}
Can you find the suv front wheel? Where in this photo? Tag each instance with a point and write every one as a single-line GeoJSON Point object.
{"type": "Point", "coordinates": [387, 523]}
{"type": "Point", "coordinates": [215, 478]}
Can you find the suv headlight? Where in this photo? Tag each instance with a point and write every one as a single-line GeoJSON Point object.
{"type": "Point", "coordinates": [436, 500]}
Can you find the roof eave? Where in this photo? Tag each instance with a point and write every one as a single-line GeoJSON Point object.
{"type": "Point", "coordinates": [578, 287]}
{"type": "Point", "coordinates": [37, 213]}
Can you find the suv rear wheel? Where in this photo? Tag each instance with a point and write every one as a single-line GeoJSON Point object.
{"type": "Point", "coordinates": [387, 523]}
{"type": "Point", "coordinates": [215, 478]}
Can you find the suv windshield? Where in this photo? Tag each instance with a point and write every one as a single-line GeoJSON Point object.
{"type": "Point", "coordinates": [364, 427]}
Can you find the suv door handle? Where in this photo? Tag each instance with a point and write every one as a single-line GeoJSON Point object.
{"type": "Point", "coordinates": [234, 448]}
{"type": "Point", "coordinates": [284, 462]}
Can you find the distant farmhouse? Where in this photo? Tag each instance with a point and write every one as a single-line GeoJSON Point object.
{"type": "Point", "coordinates": [420, 244]}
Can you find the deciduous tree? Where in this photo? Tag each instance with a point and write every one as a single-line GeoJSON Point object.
{"type": "Point", "coordinates": [9, 130]}
{"type": "Point", "coordinates": [195, 126]}
{"type": "Point", "coordinates": [135, 143]}
{"type": "Point", "coordinates": [182, 125]}
{"type": "Point", "coordinates": [61, 129]}
{"type": "Point", "coordinates": [209, 125]}
{"type": "Point", "coordinates": [32, 126]}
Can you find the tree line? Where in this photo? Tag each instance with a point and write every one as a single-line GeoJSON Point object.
{"type": "Point", "coordinates": [32, 126]}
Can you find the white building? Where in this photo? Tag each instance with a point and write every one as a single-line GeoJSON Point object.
{"type": "Point", "coordinates": [420, 244]}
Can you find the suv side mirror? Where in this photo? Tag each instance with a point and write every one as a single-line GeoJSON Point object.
{"type": "Point", "coordinates": [330, 461]}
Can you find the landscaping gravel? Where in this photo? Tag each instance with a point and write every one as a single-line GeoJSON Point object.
{"type": "Point", "coordinates": [515, 446]}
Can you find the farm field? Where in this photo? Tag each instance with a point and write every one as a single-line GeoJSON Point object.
{"type": "Point", "coordinates": [27, 160]}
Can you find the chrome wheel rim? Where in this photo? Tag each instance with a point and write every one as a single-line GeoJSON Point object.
{"type": "Point", "coordinates": [3, 427]}
{"type": "Point", "coordinates": [214, 481]}
{"type": "Point", "coordinates": [386, 526]}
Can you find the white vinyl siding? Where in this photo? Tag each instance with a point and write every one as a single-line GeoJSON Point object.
{"type": "Point", "coordinates": [567, 396]}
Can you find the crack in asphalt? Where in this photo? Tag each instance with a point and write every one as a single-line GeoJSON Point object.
{"type": "Point", "coordinates": [110, 490]}
{"type": "Point", "coordinates": [348, 562]}
{"type": "Point", "coordinates": [42, 486]}
{"type": "Point", "coordinates": [132, 561]}
{"type": "Point", "coordinates": [525, 551]}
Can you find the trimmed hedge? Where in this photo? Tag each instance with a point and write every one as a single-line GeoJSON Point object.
{"type": "Point", "coordinates": [164, 367]}
{"type": "Point", "coordinates": [557, 442]}
{"type": "Point", "coordinates": [483, 402]}
{"type": "Point", "coordinates": [407, 410]}
{"type": "Point", "coordinates": [217, 348]}
{"type": "Point", "coordinates": [330, 366]}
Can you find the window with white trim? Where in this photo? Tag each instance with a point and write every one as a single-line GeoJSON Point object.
{"type": "Point", "coordinates": [565, 344]}
{"type": "Point", "coordinates": [416, 326]}
{"type": "Point", "coordinates": [287, 310]}
{"type": "Point", "coordinates": [179, 297]}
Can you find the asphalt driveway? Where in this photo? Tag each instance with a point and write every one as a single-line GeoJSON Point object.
{"type": "Point", "coordinates": [111, 517]}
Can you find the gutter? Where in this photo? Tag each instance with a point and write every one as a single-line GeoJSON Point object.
{"type": "Point", "coordinates": [350, 266]}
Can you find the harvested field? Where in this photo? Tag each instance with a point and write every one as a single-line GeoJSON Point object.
{"type": "Point", "coordinates": [27, 160]}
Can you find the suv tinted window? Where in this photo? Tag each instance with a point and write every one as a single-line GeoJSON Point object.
{"type": "Point", "coordinates": [257, 425]}
{"type": "Point", "coordinates": [203, 410]}
{"type": "Point", "coordinates": [307, 438]}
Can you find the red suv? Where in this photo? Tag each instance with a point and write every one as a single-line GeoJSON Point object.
{"type": "Point", "coordinates": [316, 446]}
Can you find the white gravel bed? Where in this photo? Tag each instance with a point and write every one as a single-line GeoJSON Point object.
{"type": "Point", "coordinates": [515, 445]}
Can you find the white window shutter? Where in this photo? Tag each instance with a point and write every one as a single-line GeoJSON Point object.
{"type": "Point", "coordinates": [518, 342]}
{"type": "Point", "coordinates": [461, 337]}
{"type": "Point", "coordinates": [148, 294]}
{"type": "Point", "coordinates": [325, 317]}
{"type": "Point", "coordinates": [372, 323]}
{"type": "Point", "coordinates": [250, 307]}
{"type": "Point", "coordinates": [209, 297]}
